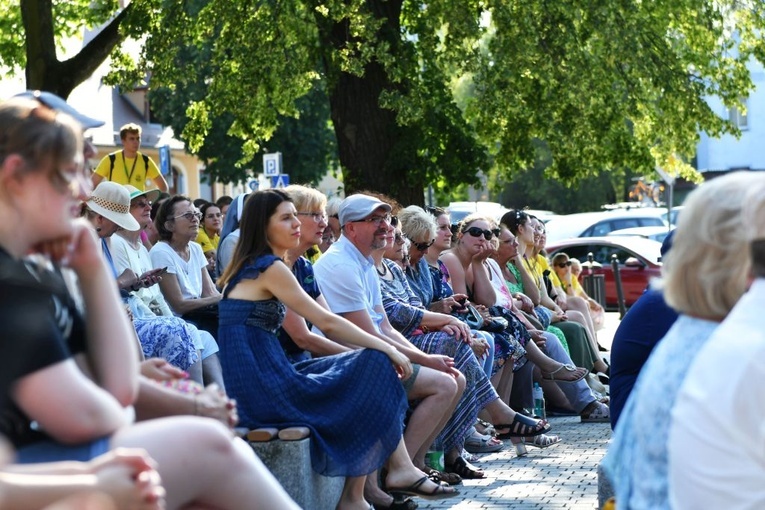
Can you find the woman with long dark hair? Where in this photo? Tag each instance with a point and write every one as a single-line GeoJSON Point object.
{"type": "Point", "coordinates": [321, 394]}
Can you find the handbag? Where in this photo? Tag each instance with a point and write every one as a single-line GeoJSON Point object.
{"type": "Point", "coordinates": [495, 325]}
{"type": "Point", "coordinates": [472, 318]}
{"type": "Point", "coordinates": [533, 320]}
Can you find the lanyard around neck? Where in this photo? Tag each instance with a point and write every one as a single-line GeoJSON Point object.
{"type": "Point", "coordinates": [124, 164]}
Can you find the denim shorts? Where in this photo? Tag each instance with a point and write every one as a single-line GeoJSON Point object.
{"type": "Point", "coordinates": [52, 451]}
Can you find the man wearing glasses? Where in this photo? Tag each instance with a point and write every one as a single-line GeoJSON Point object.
{"type": "Point", "coordinates": [348, 281]}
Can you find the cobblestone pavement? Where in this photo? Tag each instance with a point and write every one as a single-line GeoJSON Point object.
{"type": "Point", "coordinates": [563, 476]}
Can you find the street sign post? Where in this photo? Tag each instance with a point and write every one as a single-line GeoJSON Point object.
{"type": "Point", "coordinates": [272, 164]}
{"type": "Point", "coordinates": [164, 160]}
{"type": "Point", "coordinates": [280, 181]}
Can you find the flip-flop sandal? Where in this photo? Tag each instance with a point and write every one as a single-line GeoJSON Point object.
{"type": "Point", "coordinates": [398, 504]}
{"type": "Point", "coordinates": [488, 428]}
{"type": "Point", "coordinates": [440, 476]}
{"type": "Point", "coordinates": [598, 413]}
{"type": "Point", "coordinates": [542, 441]}
{"type": "Point", "coordinates": [465, 469]}
{"type": "Point", "coordinates": [523, 426]}
{"type": "Point", "coordinates": [438, 492]}
{"type": "Point", "coordinates": [550, 376]}
{"type": "Point", "coordinates": [480, 443]}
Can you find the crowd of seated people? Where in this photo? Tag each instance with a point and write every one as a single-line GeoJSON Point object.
{"type": "Point", "coordinates": [170, 320]}
{"type": "Point", "coordinates": [55, 351]}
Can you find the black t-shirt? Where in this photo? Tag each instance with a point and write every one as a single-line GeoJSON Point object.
{"type": "Point", "coordinates": [39, 327]}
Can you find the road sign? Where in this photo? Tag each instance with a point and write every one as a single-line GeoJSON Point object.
{"type": "Point", "coordinates": [164, 160]}
{"type": "Point", "coordinates": [280, 181]}
{"type": "Point", "coordinates": [253, 185]}
{"type": "Point", "coordinates": [669, 179]}
{"type": "Point", "coordinates": [272, 164]}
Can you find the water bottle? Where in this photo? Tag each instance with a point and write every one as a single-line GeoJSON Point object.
{"type": "Point", "coordinates": [539, 401]}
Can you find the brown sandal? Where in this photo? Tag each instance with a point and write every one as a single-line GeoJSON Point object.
{"type": "Point", "coordinates": [465, 469]}
{"type": "Point", "coordinates": [441, 476]}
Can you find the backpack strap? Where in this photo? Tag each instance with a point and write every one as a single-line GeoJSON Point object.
{"type": "Point", "coordinates": [112, 157]}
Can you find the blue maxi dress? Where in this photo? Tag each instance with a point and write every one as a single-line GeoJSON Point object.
{"type": "Point", "coordinates": [353, 403]}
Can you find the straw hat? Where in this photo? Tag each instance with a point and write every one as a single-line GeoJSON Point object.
{"type": "Point", "coordinates": [112, 201]}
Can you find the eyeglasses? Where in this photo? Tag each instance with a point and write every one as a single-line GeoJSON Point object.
{"type": "Point", "coordinates": [141, 204]}
{"type": "Point", "coordinates": [394, 221]}
{"type": "Point", "coordinates": [422, 246]}
{"type": "Point", "coordinates": [377, 220]}
{"type": "Point", "coordinates": [190, 215]}
{"type": "Point", "coordinates": [487, 234]}
{"type": "Point", "coordinates": [315, 216]}
{"type": "Point", "coordinates": [564, 264]}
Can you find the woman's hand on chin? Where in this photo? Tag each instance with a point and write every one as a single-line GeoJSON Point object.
{"type": "Point", "coordinates": [78, 250]}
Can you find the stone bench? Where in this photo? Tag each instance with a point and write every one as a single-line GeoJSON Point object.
{"type": "Point", "coordinates": [287, 455]}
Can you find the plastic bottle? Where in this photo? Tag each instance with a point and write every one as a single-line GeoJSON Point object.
{"type": "Point", "coordinates": [539, 401]}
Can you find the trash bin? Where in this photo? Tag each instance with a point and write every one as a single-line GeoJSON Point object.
{"type": "Point", "coordinates": [595, 287]}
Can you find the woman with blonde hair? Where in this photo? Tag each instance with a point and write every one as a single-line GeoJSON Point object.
{"type": "Point", "coordinates": [705, 273]}
{"type": "Point", "coordinates": [297, 339]}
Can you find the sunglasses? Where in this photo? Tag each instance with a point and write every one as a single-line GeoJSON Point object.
{"type": "Point", "coordinates": [487, 234]}
{"type": "Point", "coordinates": [141, 204]}
{"type": "Point", "coordinates": [399, 239]}
{"type": "Point", "coordinates": [422, 246]}
{"type": "Point", "coordinates": [564, 264]}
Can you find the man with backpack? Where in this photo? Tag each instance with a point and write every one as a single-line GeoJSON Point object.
{"type": "Point", "coordinates": [129, 166]}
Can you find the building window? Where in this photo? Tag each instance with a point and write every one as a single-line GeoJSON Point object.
{"type": "Point", "coordinates": [738, 118]}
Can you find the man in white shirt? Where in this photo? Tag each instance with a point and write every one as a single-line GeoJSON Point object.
{"type": "Point", "coordinates": [348, 281]}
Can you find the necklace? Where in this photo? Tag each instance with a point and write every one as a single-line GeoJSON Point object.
{"type": "Point", "coordinates": [384, 270]}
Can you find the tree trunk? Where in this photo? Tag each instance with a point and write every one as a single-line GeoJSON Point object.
{"type": "Point", "coordinates": [372, 147]}
{"type": "Point", "coordinates": [44, 71]}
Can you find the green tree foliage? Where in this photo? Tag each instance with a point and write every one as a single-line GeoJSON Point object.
{"type": "Point", "coordinates": [604, 84]}
{"type": "Point", "coordinates": [32, 32]}
{"type": "Point", "coordinates": [306, 142]}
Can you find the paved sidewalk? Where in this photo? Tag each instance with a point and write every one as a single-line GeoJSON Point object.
{"type": "Point", "coordinates": [562, 476]}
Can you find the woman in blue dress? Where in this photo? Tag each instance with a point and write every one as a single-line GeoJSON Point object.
{"type": "Point", "coordinates": [322, 394]}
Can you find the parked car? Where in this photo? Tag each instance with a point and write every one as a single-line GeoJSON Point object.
{"type": "Point", "coordinates": [543, 215]}
{"type": "Point", "coordinates": [639, 262]}
{"type": "Point", "coordinates": [673, 215]}
{"type": "Point", "coordinates": [594, 224]}
{"type": "Point", "coordinates": [653, 233]}
{"type": "Point", "coordinates": [460, 210]}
